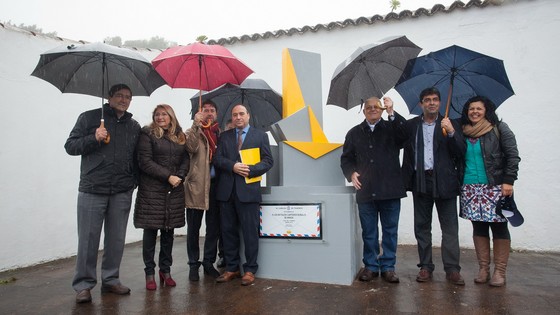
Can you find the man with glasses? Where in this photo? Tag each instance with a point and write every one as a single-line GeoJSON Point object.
{"type": "Point", "coordinates": [370, 161]}
{"type": "Point", "coordinates": [432, 158]}
{"type": "Point", "coordinates": [107, 180]}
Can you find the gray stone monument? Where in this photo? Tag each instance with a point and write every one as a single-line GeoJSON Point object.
{"type": "Point", "coordinates": [309, 223]}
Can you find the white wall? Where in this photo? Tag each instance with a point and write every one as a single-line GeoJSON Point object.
{"type": "Point", "coordinates": [38, 180]}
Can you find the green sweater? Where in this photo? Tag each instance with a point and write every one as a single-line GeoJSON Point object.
{"type": "Point", "coordinates": [475, 172]}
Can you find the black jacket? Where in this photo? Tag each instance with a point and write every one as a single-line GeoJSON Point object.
{"type": "Point", "coordinates": [105, 168]}
{"type": "Point", "coordinates": [449, 153]}
{"type": "Point", "coordinates": [500, 155]}
{"type": "Point", "coordinates": [158, 204]}
{"type": "Point", "coordinates": [375, 156]}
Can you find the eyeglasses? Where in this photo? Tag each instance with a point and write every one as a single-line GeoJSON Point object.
{"type": "Point", "coordinates": [119, 95]}
{"type": "Point", "coordinates": [429, 100]}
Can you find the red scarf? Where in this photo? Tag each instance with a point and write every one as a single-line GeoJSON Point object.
{"type": "Point", "coordinates": [211, 134]}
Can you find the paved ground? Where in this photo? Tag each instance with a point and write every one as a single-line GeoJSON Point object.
{"type": "Point", "coordinates": [533, 287]}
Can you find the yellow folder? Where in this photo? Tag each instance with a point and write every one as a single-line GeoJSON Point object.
{"type": "Point", "coordinates": [251, 157]}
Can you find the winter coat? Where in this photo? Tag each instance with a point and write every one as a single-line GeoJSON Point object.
{"type": "Point", "coordinates": [158, 204]}
{"type": "Point", "coordinates": [197, 182]}
{"type": "Point", "coordinates": [449, 153]}
{"type": "Point", "coordinates": [105, 168]}
{"type": "Point", "coordinates": [500, 155]}
{"type": "Point", "coordinates": [375, 156]}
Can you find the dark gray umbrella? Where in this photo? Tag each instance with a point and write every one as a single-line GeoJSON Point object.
{"type": "Point", "coordinates": [91, 69]}
{"type": "Point", "coordinates": [264, 104]}
{"type": "Point", "coordinates": [370, 71]}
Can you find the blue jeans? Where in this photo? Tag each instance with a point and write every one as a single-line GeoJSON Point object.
{"type": "Point", "coordinates": [386, 211]}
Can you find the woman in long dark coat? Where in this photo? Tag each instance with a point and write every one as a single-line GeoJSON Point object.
{"type": "Point", "coordinates": [160, 202]}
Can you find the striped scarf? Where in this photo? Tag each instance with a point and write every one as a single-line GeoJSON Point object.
{"type": "Point", "coordinates": [211, 133]}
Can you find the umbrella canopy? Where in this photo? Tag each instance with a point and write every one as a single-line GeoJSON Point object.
{"type": "Point", "coordinates": [200, 66]}
{"type": "Point", "coordinates": [264, 104]}
{"type": "Point", "coordinates": [91, 69]}
{"type": "Point", "coordinates": [370, 71]}
{"type": "Point", "coordinates": [458, 74]}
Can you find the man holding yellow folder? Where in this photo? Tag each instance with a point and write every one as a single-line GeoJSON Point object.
{"type": "Point", "coordinates": [243, 156]}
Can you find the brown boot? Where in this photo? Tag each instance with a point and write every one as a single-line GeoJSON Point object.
{"type": "Point", "coordinates": [501, 256]}
{"type": "Point", "coordinates": [482, 248]}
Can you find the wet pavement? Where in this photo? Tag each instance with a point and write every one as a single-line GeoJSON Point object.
{"type": "Point", "coordinates": [533, 287]}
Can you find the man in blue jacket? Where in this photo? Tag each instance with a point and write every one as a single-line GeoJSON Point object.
{"type": "Point", "coordinates": [107, 180]}
{"type": "Point", "coordinates": [370, 161]}
{"type": "Point", "coordinates": [431, 168]}
{"type": "Point", "coordinates": [239, 200]}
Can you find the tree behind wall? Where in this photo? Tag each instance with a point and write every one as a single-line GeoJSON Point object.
{"type": "Point", "coordinates": [155, 42]}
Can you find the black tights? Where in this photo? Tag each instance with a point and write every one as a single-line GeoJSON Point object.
{"type": "Point", "coordinates": [499, 229]}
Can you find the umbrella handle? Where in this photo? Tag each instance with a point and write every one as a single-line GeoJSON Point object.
{"type": "Point", "coordinates": [447, 105]}
{"type": "Point", "coordinates": [108, 138]}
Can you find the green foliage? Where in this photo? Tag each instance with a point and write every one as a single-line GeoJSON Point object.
{"type": "Point", "coordinates": [9, 280]}
{"type": "Point", "coordinates": [395, 4]}
{"type": "Point", "coordinates": [202, 38]}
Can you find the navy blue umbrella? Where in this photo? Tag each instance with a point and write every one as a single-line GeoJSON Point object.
{"type": "Point", "coordinates": [458, 74]}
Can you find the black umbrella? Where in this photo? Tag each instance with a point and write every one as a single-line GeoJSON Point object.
{"type": "Point", "coordinates": [370, 71]}
{"type": "Point", "coordinates": [91, 69]}
{"type": "Point", "coordinates": [264, 104]}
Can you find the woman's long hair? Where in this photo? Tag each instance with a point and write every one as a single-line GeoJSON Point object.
{"type": "Point", "coordinates": [488, 105]}
{"type": "Point", "coordinates": [174, 132]}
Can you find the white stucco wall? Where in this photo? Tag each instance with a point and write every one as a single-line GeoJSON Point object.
{"type": "Point", "coordinates": [38, 180]}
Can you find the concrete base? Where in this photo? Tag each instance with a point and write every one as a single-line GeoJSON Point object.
{"type": "Point", "coordinates": [334, 259]}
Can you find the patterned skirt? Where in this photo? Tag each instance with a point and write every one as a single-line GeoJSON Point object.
{"type": "Point", "coordinates": [478, 202]}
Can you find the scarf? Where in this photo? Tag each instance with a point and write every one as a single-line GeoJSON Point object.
{"type": "Point", "coordinates": [479, 129]}
{"type": "Point", "coordinates": [211, 133]}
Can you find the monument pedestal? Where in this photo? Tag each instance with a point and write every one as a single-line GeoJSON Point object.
{"type": "Point", "coordinates": [335, 258]}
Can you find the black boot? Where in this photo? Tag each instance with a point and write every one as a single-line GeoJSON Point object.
{"type": "Point", "coordinates": [210, 270]}
{"type": "Point", "coordinates": [193, 272]}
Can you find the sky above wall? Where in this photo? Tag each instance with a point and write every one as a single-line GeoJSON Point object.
{"type": "Point", "coordinates": [182, 21]}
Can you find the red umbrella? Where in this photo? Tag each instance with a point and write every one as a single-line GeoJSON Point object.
{"type": "Point", "coordinates": [200, 66]}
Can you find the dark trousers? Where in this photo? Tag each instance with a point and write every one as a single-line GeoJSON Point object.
{"type": "Point", "coordinates": [449, 224]}
{"type": "Point", "coordinates": [165, 250]}
{"type": "Point", "coordinates": [194, 222]}
{"type": "Point", "coordinates": [237, 214]}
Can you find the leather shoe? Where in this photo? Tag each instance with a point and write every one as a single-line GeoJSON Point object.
{"type": "Point", "coordinates": [210, 270]}
{"type": "Point", "coordinates": [83, 296]}
{"type": "Point", "coordinates": [368, 275]}
{"type": "Point", "coordinates": [248, 278]}
{"type": "Point", "coordinates": [424, 275]}
{"type": "Point", "coordinates": [390, 276]}
{"type": "Point", "coordinates": [455, 278]}
{"type": "Point", "coordinates": [228, 276]}
{"type": "Point", "coordinates": [221, 263]}
{"type": "Point", "coordinates": [116, 289]}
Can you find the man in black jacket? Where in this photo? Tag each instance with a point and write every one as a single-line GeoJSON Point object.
{"type": "Point", "coordinates": [107, 180]}
{"type": "Point", "coordinates": [370, 160]}
{"type": "Point", "coordinates": [432, 158]}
